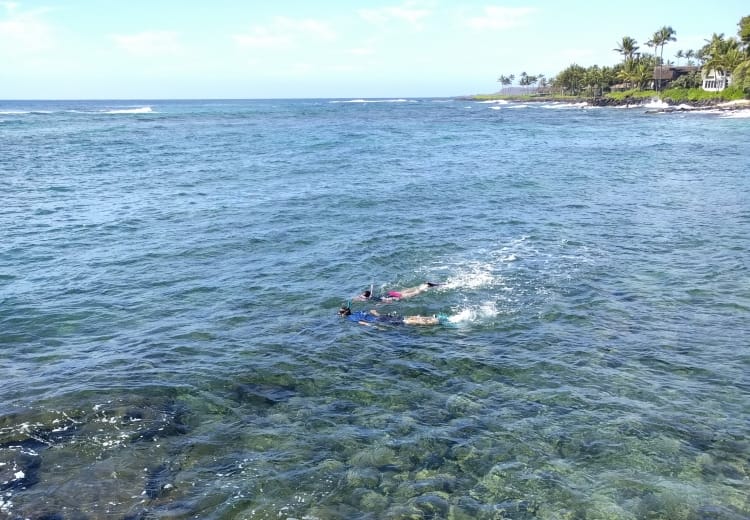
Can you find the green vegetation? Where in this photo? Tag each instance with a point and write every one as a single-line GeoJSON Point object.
{"type": "Point", "coordinates": [645, 75]}
{"type": "Point", "coordinates": [631, 94]}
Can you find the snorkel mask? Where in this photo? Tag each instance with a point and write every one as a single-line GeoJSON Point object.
{"type": "Point", "coordinates": [346, 308]}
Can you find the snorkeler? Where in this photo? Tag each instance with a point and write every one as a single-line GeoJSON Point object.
{"type": "Point", "coordinates": [393, 296]}
{"type": "Point", "coordinates": [373, 316]}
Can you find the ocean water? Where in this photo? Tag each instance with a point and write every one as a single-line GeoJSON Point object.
{"type": "Point", "coordinates": [170, 273]}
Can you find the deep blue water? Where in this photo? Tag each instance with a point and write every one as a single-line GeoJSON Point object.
{"type": "Point", "coordinates": [170, 273]}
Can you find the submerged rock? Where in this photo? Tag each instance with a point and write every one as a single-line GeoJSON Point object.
{"type": "Point", "coordinates": [20, 473]}
{"type": "Point", "coordinates": [362, 478]}
{"type": "Point", "coordinates": [432, 506]}
{"type": "Point", "coordinates": [263, 394]}
{"type": "Point", "coordinates": [158, 482]}
{"type": "Point", "coordinates": [173, 423]}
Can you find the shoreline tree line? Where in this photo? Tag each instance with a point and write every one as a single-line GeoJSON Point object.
{"type": "Point", "coordinates": [642, 69]}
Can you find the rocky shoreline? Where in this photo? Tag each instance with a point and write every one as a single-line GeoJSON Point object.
{"type": "Point", "coordinates": [669, 105]}
{"type": "Point", "coordinates": [664, 105]}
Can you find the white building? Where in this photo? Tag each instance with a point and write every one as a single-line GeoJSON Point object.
{"type": "Point", "coordinates": [715, 80]}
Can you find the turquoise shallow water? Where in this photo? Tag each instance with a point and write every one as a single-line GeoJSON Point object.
{"type": "Point", "coordinates": [170, 273]}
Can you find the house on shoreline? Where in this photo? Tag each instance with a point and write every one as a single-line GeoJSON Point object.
{"type": "Point", "coordinates": [664, 75]}
{"type": "Point", "coordinates": [716, 80]}
{"type": "Point", "coordinates": [711, 80]}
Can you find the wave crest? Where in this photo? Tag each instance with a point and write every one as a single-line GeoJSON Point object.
{"type": "Point", "coordinates": [138, 110]}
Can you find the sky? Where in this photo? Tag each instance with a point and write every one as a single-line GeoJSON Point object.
{"type": "Point", "coordinates": [169, 49]}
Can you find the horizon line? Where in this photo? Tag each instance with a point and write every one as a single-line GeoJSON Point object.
{"type": "Point", "coordinates": [233, 98]}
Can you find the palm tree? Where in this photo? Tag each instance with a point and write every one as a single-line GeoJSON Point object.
{"type": "Point", "coordinates": [594, 78]}
{"type": "Point", "coordinates": [570, 80]}
{"type": "Point", "coordinates": [532, 81]}
{"type": "Point", "coordinates": [680, 54]}
{"type": "Point", "coordinates": [642, 74]}
{"type": "Point", "coordinates": [666, 35]}
{"type": "Point", "coordinates": [658, 41]}
{"type": "Point", "coordinates": [732, 58]}
{"type": "Point", "coordinates": [504, 81]}
{"type": "Point", "coordinates": [625, 74]}
{"type": "Point", "coordinates": [627, 47]}
{"type": "Point", "coordinates": [689, 55]}
{"type": "Point", "coordinates": [721, 55]}
{"type": "Point", "coordinates": [744, 32]}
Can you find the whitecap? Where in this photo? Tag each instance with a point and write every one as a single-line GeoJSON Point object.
{"type": "Point", "coordinates": [139, 110]}
{"type": "Point", "coordinates": [656, 103]}
{"type": "Point", "coordinates": [562, 106]}
{"type": "Point", "coordinates": [495, 102]}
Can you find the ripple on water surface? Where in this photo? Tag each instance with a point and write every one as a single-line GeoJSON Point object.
{"type": "Point", "coordinates": [171, 271]}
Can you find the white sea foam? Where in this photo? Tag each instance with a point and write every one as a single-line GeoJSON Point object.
{"type": "Point", "coordinates": [495, 102]}
{"type": "Point", "coordinates": [463, 316]}
{"type": "Point", "coordinates": [739, 114]}
{"type": "Point", "coordinates": [376, 101]}
{"type": "Point", "coordinates": [139, 110]}
{"type": "Point", "coordinates": [483, 311]}
{"type": "Point", "coordinates": [24, 112]}
{"type": "Point", "coordinates": [565, 106]}
{"type": "Point", "coordinates": [656, 103]}
{"type": "Point", "coordinates": [496, 108]}
{"type": "Point", "coordinates": [472, 277]}
{"type": "Point", "coordinates": [523, 105]}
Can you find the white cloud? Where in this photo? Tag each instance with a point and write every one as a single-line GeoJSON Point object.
{"type": "Point", "coordinates": [149, 43]}
{"type": "Point", "coordinates": [404, 13]}
{"type": "Point", "coordinates": [496, 17]}
{"type": "Point", "coordinates": [262, 38]}
{"type": "Point", "coordinates": [343, 68]}
{"type": "Point", "coordinates": [24, 32]}
{"type": "Point", "coordinates": [361, 51]}
{"type": "Point", "coordinates": [285, 32]}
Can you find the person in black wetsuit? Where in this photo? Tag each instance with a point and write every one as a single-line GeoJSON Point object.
{"type": "Point", "coordinates": [372, 316]}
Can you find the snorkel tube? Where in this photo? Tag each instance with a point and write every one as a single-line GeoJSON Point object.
{"type": "Point", "coordinates": [346, 308]}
